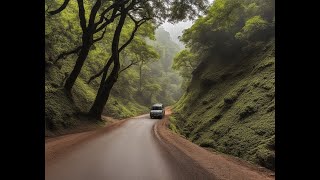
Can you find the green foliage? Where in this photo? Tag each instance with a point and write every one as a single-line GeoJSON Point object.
{"type": "Point", "coordinates": [252, 26]}
{"type": "Point", "coordinates": [184, 60]}
{"type": "Point", "coordinates": [63, 33]}
{"type": "Point", "coordinates": [229, 28]}
{"type": "Point", "coordinates": [229, 31]}
{"type": "Point", "coordinates": [172, 126]}
{"type": "Point", "coordinates": [236, 114]}
{"type": "Point", "coordinates": [153, 88]}
{"type": "Point", "coordinates": [160, 83]}
{"type": "Point", "coordinates": [58, 109]}
{"type": "Point", "coordinates": [141, 51]}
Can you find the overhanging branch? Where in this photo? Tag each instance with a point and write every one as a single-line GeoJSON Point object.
{"type": "Point", "coordinates": [77, 49]}
{"type": "Point", "coordinates": [137, 25]}
{"type": "Point", "coordinates": [61, 8]}
{"type": "Point", "coordinates": [67, 53]}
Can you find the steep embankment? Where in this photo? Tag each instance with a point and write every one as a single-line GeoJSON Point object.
{"type": "Point", "coordinates": [62, 115]}
{"type": "Point", "coordinates": [231, 108]}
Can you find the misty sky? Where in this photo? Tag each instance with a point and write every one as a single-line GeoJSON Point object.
{"type": "Point", "coordinates": [175, 30]}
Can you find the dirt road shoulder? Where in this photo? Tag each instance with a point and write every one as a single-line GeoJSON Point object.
{"type": "Point", "coordinates": [219, 166]}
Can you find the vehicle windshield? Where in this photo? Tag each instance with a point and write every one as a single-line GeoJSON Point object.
{"type": "Point", "coordinates": [156, 108]}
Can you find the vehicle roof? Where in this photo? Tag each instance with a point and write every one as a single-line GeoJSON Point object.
{"type": "Point", "coordinates": [158, 104]}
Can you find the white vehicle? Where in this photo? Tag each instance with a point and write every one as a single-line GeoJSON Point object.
{"type": "Point", "coordinates": [157, 111]}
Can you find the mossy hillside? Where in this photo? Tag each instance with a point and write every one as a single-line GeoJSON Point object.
{"type": "Point", "coordinates": [235, 113]}
{"type": "Point", "coordinates": [62, 113]}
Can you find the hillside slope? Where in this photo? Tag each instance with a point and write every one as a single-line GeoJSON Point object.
{"type": "Point", "coordinates": [63, 114]}
{"type": "Point", "coordinates": [231, 107]}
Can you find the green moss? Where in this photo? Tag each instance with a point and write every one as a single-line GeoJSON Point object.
{"type": "Point", "coordinates": [267, 63]}
{"type": "Point", "coordinates": [236, 115]}
{"type": "Point", "coordinates": [172, 126]}
{"type": "Point", "coordinates": [265, 154]}
{"type": "Point", "coordinates": [247, 111]}
{"type": "Point", "coordinates": [58, 110]}
{"type": "Point", "coordinates": [230, 99]}
{"type": "Point", "coordinates": [207, 143]}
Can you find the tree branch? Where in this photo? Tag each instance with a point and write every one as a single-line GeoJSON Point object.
{"type": "Point", "coordinates": [77, 49]}
{"type": "Point", "coordinates": [101, 37]}
{"type": "Point", "coordinates": [67, 53]}
{"type": "Point", "coordinates": [61, 8]}
{"type": "Point", "coordinates": [137, 25]}
{"type": "Point", "coordinates": [107, 21]}
{"type": "Point", "coordinates": [48, 7]}
{"type": "Point", "coordinates": [131, 64]}
{"type": "Point", "coordinates": [137, 8]}
{"type": "Point", "coordinates": [115, 6]}
{"type": "Point", "coordinates": [105, 68]}
{"type": "Point", "coordinates": [82, 16]}
{"type": "Point", "coordinates": [93, 14]}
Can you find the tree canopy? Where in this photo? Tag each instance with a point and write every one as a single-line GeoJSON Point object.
{"type": "Point", "coordinates": [229, 30]}
{"type": "Point", "coordinates": [100, 41]}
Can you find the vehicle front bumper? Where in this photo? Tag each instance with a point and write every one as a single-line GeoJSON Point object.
{"type": "Point", "coordinates": [156, 115]}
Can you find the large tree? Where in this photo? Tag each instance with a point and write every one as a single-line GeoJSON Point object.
{"type": "Point", "coordinates": [107, 15]}
{"type": "Point", "coordinates": [177, 11]}
{"type": "Point", "coordinates": [139, 11]}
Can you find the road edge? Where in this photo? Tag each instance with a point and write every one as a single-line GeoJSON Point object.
{"type": "Point", "coordinates": [60, 146]}
{"type": "Point", "coordinates": [171, 141]}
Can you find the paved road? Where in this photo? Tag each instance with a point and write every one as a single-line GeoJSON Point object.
{"type": "Point", "coordinates": [128, 152]}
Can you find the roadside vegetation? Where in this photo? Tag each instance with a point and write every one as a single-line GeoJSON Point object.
{"type": "Point", "coordinates": [229, 76]}
{"type": "Point", "coordinates": [112, 58]}
{"type": "Point", "coordinates": [109, 58]}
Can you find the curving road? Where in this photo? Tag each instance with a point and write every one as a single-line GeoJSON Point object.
{"type": "Point", "coordinates": [128, 152]}
{"type": "Point", "coordinates": [140, 149]}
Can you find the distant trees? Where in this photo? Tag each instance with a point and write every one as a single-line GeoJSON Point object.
{"type": "Point", "coordinates": [145, 54]}
{"type": "Point", "coordinates": [152, 89]}
{"type": "Point", "coordinates": [185, 62]}
{"type": "Point", "coordinates": [160, 72]}
{"type": "Point", "coordinates": [158, 84]}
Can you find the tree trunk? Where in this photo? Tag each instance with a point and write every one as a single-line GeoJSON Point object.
{"type": "Point", "coordinates": [102, 97]}
{"type": "Point", "coordinates": [106, 86]}
{"type": "Point", "coordinates": [77, 68]}
{"type": "Point", "coordinates": [87, 41]}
